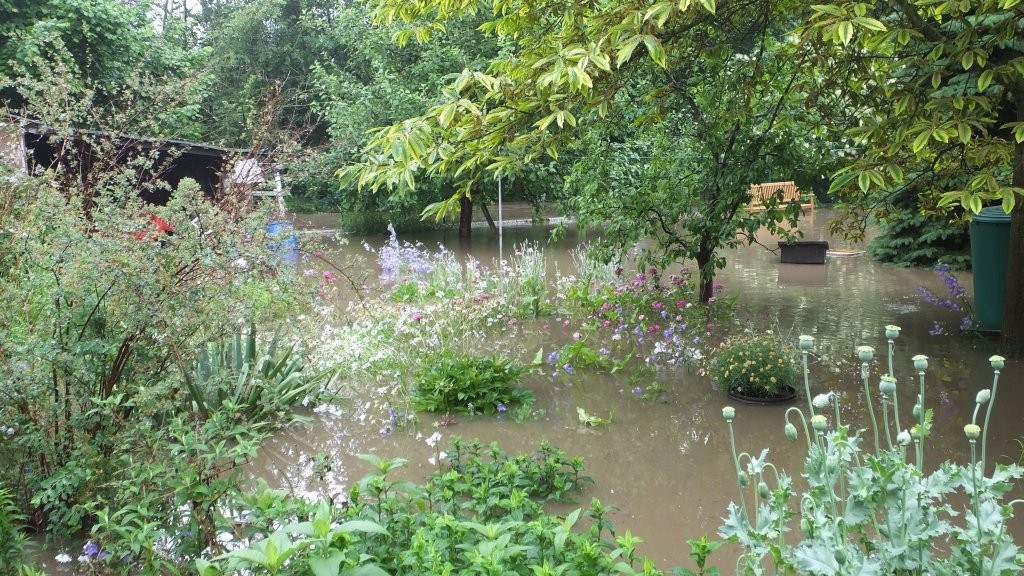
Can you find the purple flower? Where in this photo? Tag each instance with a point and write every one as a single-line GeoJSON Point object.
{"type": "Point", "coordinates": [638, 391]}
{"type": "Point", "coordinates": [553, 357]}
{"type": "Point", "coordinates": [91, 549]}
{"type": "Point", "coordinates": [603, 352]}
{"type": "Point", "coordinates": [501, 407]}
{"type": "Point", "coordinates": [937, 330]}
{"type": "Point", "coordinates": [568, 368]}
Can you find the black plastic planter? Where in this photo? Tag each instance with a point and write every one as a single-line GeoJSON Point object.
{"type": "Point", "coordinates": [804, 252]}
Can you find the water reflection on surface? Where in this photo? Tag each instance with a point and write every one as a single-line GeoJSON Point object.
{"type": "Point", "coordinates": [665, 462]}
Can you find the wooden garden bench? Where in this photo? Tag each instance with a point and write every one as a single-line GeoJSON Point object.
{"type": "Point", "coordinates": [760, 193]}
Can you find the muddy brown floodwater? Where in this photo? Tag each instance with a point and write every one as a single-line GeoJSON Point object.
{"type": "Point", "coordinates": [665, 463]}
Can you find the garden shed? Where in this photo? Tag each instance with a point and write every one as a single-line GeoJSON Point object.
{"type": "Point", "coordinates": [29, 146]}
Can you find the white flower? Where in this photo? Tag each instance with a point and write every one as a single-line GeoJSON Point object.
{"type": "Point", "coordinates": [434, 439]}
{"type": "Point", "coordinates": [62, 558]}
{"type": "Point", "coordinates": [821, 400]}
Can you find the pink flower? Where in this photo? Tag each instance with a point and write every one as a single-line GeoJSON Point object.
{"type": "Point", "coordinates": [653, 271]}
{"type": "Point", "coordinates": [657, 306]}
{"type": "Point", "coordinates": [417, 316]}
{"type": "Point", "coordinates": [576, 336]}
{"type": "Point", "coordinates": [681, 303]}
{"type": "Point", "coordinates": [565, 324]}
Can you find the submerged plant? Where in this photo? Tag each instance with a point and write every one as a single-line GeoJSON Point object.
{"type": "Point", "coordinates": [874, 511]}
{"type": "Point", "coordinates": [955, 300]}
{"type": "Point", "coordinates": [469, 384]}
{"type": "Point", "coordinates": [757, 365]}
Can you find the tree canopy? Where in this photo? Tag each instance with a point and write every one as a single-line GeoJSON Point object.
{"type": "Point", "coordinates": [936, 87]}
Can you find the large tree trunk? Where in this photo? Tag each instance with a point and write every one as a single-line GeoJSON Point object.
{"type": "Point", "coordinates": [465, 217]}
{"type": "Point", "coordinates": [1012, 342]}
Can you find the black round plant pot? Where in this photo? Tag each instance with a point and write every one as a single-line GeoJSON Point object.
{"type": "Point", "coordinates": [787, 395]}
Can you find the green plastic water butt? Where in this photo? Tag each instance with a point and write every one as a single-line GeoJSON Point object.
{"type": "Point", "coordinates": [990, 253]}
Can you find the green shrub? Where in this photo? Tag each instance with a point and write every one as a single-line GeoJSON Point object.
{"type": "Point", "coordinates": [481, 513]}
{"type": "Point", "coordinates": [468, 384]}
{"type": "Point", "coordinates": [758, 365]}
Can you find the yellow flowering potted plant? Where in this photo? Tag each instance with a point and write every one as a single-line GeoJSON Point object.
{"type": "Point", "coordinates": [756, 368]}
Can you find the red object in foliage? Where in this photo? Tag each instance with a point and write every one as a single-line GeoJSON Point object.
{"type": "Point", "coordinates": [160, 225]}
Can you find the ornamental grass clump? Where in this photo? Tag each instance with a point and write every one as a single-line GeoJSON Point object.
{"type": "Point", "coordinates": [756, 365]}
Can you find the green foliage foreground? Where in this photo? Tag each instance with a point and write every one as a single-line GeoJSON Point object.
{"type": "Point", "coordinates": [869, 505]}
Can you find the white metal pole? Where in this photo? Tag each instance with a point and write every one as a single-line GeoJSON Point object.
{"type": "Point", "coordinates": [501, 222]}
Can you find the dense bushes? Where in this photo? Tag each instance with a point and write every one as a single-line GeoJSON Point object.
{"type": "Point", "coordinates": [99, 308]}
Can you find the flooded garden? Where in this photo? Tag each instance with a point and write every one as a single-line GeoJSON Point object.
{"type": "Point", "coordinates": [620, 377]}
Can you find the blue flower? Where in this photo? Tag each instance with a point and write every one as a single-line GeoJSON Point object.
{"type": "Point", "coordinates": [91, 549]}
{"type": "Point", "coordinates": [568, 368]}
{"type": "Point", "coordinates": [553, 357]}
{"type": "Point", "coordinates": [501, 407]}
{"type": "Point", "coordinates": [638, 391]}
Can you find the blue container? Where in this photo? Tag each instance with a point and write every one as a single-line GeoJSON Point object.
{"type": "Point", "coordinates": [282, 240]}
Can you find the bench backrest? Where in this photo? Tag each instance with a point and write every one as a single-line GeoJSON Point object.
{"type": "Point", "coordinates": [759, 193]}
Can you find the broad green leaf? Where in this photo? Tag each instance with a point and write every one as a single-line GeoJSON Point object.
{"type": "Point", "coordinates": [205, 568]}
{"type": "Point", "coordinates": [920, 142]}
{"type": "Point", "coordinates": [655, 49]}
{"type": "Point", "coordinates": [659, 12]}
{"type": "Point", "coordinates": [626, 49]}
{"type": "Point", "coordinates": [863, 182]}
{"type": "Point", "coordinates": [365, 570]}
{"type": "Point", "coordinates": [967, 60]}
{"type": "Point", "coordinates": [964, 131]}
{"type": "Point", "coordinates": [975, 203]}
{"type": "Point", "coordinates": [869, 23]}
{"type": "Point", "coordinates": [985, 79]}
{"type": "Point", "coordinates": [1009, 201]}
{"type": "Point", "coordinates": [328, 566]}
{"type": "Point", "coordinates": [829, 9]}
{"type": "Point", "coordinates": [844, 32]}
{"type": "Point", "coordinates": [709, 5]}
{"type": "Point", "coordinates": [361, 526]}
